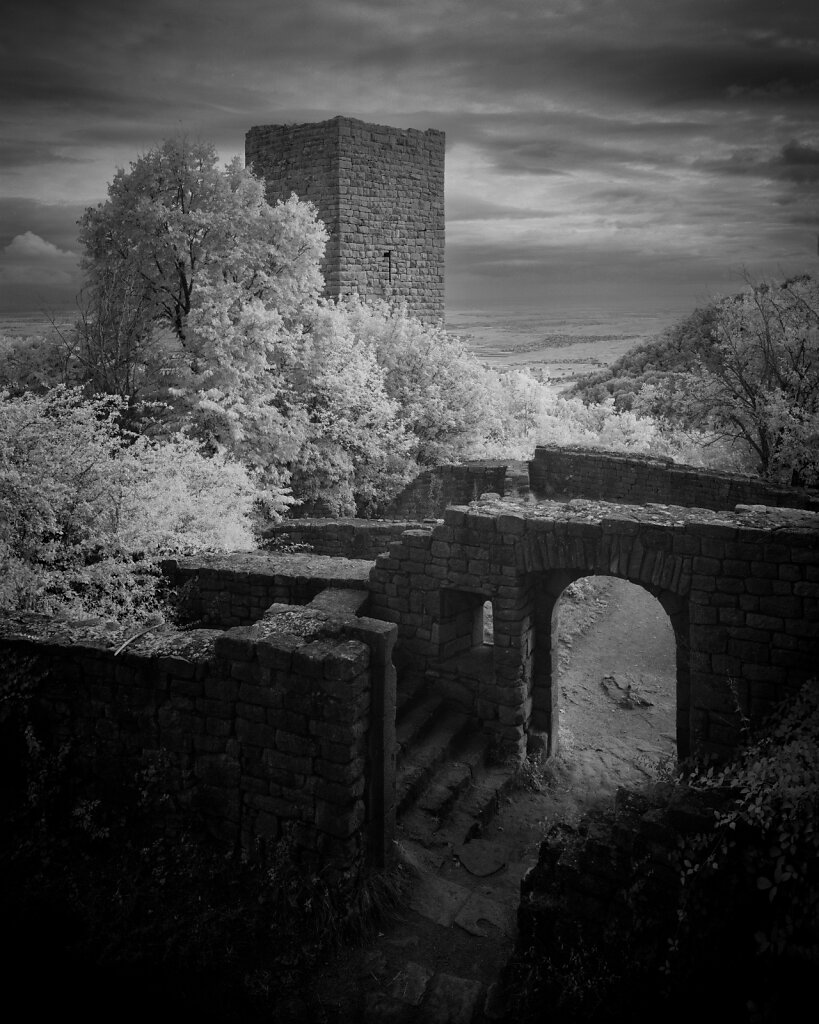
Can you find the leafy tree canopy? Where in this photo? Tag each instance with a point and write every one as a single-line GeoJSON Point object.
{"type": "Point", "coordinates": [745, 368]}
{"type": "Point", "coordinates": [86, 509]}
{"type": "Point", "coordinates": [177, 223]}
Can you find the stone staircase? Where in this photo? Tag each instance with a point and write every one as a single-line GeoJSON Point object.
{"type": "Point", "coordinates": [447, 787]}
{"type": "Point", "coordinates": [438, 962]}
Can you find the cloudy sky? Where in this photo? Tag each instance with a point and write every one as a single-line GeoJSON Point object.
{"type": "Point", "coordinates": [623, 154]}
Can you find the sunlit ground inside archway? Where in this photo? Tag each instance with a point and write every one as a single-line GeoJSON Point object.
{"type": "Point", "coordinates": [616, 672]}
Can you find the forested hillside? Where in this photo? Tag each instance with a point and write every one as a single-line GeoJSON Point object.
{"type": "Point", "coordinates": [675, 351]}
{"type": "Point", "coordinates": [744, 369]}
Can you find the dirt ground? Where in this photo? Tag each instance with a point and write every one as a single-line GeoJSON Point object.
{"type": "Point", "coordinates": [617, 707]}
{"type": "Point", "coordinates": [617, 697]}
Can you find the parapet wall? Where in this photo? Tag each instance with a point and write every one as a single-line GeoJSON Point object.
{"type": "Point", "coordinates": [288, 723]}
{"type": "Point", "coordinates": [434, 490]}
{"type": "Point", "coordinates": [237, 589]}
{"type": "Point", "coordinates": [563, 473]}
{"type": "Point", "coordinates": [341, 538]}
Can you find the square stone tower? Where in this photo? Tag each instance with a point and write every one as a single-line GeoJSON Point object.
{"type": "Point", "coordinates": [380, 193]}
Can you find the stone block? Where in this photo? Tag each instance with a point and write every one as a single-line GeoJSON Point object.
{"type": "Point", "coordinates": [345, 711]}
{"type": "Point", "coordinates": [245, 671]}
{"type": "Point", "coordinates": [258, 734]}
{"type": "Point", "coordinates": [280, 761]}
{"type": "Point", "coordinates": [218, 726]}
{"type": "Point", "coordinates": [262, 696]}
{"type": "Point", "coordinates": [764, 622]}
{"type": "Point", "coordinates": [179, 668]}
{"type": "Point", "coordinates": [764, 673]}
{"type": "Point", "coordinates": [781, 606]}
{"type": "Point", "coordinates": [338, 753]}
{"type": "Point", "coordinates": [237, 644]}
{"type": "Point", "coordinates": [730, 585]}
{"type": "Point", "coordinates": [292, 743]}
{"type": "Point", "coordinates": [251, 712]}
{"type": "Point", "coordinates": [221, 688]}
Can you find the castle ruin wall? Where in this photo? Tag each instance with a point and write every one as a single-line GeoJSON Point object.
{"type": "Point", "coordinates": [560, 473]}
{"type": "Point", "coordinates": [741, 590]}
{"type": "Point", "coordinates": [286, 725]}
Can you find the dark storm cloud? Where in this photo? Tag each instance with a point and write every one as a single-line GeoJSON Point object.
{"type": "Point", "coordinates": [795, 162]}
{"type": "Point", "coordinates": [800, 162]}
{"type": "Point", "coordinates": [560, 141]}
{"type": "Point", "coordinates": [677, 53]}
{"type": "Point", "coordinates": [104, 54]}
{"type": "Point", "coordinates": [605, 119]}
{"type": "Point", "coordinates": [462, 208]}
{"type": "Point", "coordinates": [26, 153]}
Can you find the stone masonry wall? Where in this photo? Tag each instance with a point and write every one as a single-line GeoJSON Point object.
{"type": "Point", "coordinates": [380, 193]}
{"type": "Point", "coordinates": [236, 589]}
{"type": "Point", "coordinates": [350, 538]}
{"type": "Point", "coordinates": [569, 472]}
{"type": "Point", "coordinates": [741, 590]}
{"type": "Point", "coordinates": [435, 489]}
{"type": "Point", "coordinates": [288, 723]}
{"type": "Point", "coordinates": [429, 493]}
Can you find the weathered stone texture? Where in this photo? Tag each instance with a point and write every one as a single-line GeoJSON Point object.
{"type": "Point", "coordinates": [568, 472]}
{"type": "Point", "coordinates": [341, 538]}
{"type": "Point", "coordinates": [236, 589]}
{"type": "Point", "coordinates": [425, 497]}
{"type": "Point", "coordinates": [380, 193]}
{"type": "Point", "coordinates": [738, 651]}
{"type": "Point", "coordinates": [286, 723]}
{"type": "Point", "coordinates": [434, 490]}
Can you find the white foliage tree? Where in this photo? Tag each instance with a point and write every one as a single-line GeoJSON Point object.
{"type": "Point", "coordinates": [85, 511]}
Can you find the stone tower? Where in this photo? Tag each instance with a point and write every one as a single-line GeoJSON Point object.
{"type": "Point", "coordinates": [380, 193]}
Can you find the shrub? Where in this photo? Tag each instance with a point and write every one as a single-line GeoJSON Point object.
{"type": "Point", "coordinates": [85, 510]}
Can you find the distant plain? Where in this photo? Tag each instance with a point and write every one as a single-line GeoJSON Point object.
{"type": "Point", "coordinates": [557, 346]}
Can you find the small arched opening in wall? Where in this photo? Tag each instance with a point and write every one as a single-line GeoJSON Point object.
{"type": "Point", "coordinates": [610, 675]}
{"type": "Point", "coordinates": [466, 641]}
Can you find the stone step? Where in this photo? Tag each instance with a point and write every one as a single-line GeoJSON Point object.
{"type": "Point", "coordinates": [415, 722]}
{"type": "Point", "coordinates": [440, 744]}
{"type": "Point", "coordinates": [453, 778]}
{"type": "Point", "coordinates": [460, 799]}
{"type": "Point", "coordinates": [479, 805]}
{"type": "Point", "coordinates": [412, 689]}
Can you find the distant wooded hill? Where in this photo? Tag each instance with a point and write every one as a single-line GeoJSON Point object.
{"type": "Point", "coordinates": [657, 361]}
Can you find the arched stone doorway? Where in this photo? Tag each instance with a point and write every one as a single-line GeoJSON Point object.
{"type": "Point", "coordinates": [614, 663]}
{"type": "Point", "coordinates": [543, 731]}
{"type": "Point", "coordinates": [739, 589]}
